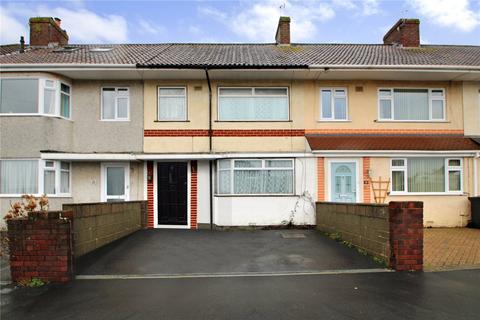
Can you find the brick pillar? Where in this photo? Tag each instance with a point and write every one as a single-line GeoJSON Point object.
{"type": "Point", "coordinates": [406, 235]}
{"type": "Point", "coordinates": [366, 181]}
{"type": "Point", "coordinates": [193, 194]}
{"type": "Point", "coordinates": [321, 179]}
{"type": "Point", "coordinates": [41, 247]}
{"type": "Point", "coordinates": [150, 195]}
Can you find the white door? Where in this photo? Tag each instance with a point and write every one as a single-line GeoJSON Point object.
{"type": "Point", "coordinates": [115, 182]}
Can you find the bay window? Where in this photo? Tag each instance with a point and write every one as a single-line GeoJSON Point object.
{"type": "Point", "coordinates": [253, 104]}
{"type": "Point", "coordinates": [34, 96]}
{"type": "Point", "coordinates": [426, 175]}
{"type": "Point", "coordinates": [255, 176]}
{"type": "Point", "coordinates": [115, 104]}
{"type": "Point", "coordinates": [333, 104]}
{"type": "Point", "coordinates": [411, 104]}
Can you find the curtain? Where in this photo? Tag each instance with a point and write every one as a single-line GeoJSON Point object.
{"type": "Point", "coordinates": [327, 104]}
{"type": "Point", "coordinates": [49, 101]}
{"type": "Point", "coordinates": [340, 105]}
{"type": "Point", "coordinates": [253, 108]}
{"type": "Point", "coordinates": [108, 103]}
{"type": "Point", "coordinates": [224, 181]}
{"type": "Point", "coordinates": [411, 104]}
{"type": "Point", "coordinates": [398, 180]}
{"type": "Point", "coordinates": [385, 109]}
{"type": "Point", "coordinates": [426, 175]}
{"type": "Point", "coordinates": [49, 182]}
{"type": "Point", "coordinates": [18, 96]}
{"type": "Point", "coordinates": [122, 107]}
{"type": "Point", "coordinates": [437, 109]}
{"type": "Point", "coordinates": [454, 181]}
{"type": "Point", "coordinates": [65, 105]}
{"type": "Point", "coordinates": [171, 108]}
{"type": "Point", "coordinates": [18, 176]}
{"type": "Point", "coordinates": [65, 182]}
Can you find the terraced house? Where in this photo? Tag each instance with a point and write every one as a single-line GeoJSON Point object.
{"type": "Point", "coordinates": [241, 134]}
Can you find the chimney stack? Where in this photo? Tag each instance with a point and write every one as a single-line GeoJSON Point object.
{"type": "Point", "coordinates": [406, 32]}
{"type": "Point", "coordinates": [283, 31]}
{"type": "Point", "coordinates": [46, 31]}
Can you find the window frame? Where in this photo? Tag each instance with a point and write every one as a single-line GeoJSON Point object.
{"type": "Point", "coordinates": [431, 98]}
{"type": "Point", "coordinates": [40, 179]}
{"type": "Point", "coordinates": [69, 99]}
{"type": "Point", "coordinates": [103, 180]}
{"type": "Point", "coordinates": [447, 169]}
{"type": "Point", "coordinates": [332, 100]}
{"type": "Point", "coordinates": [116, 118]}
{"type": "Point", "coordinates": [262, 168]}
{"type": "Point", "coordinates": [288, 119]}
{"type": "Point", "coordinates": [186, 103]}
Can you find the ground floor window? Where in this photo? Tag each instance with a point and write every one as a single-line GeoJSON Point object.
{"type": "Point", "coordinates": [255, 176]}
{"type": "Point", "coordinates": [18, 177]}
{"type": "Point", "coordinates": [426, 175]}
{"type": "Point", "coordinates": [115, 178]}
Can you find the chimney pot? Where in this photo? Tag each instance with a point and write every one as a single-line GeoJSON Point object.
{"type": "Point", "coordinates": [406, 32]}
{"type": "Point", "coordinates": [58, 21]}
{"type": "Point", "coordinates": [22, 44]}
{"type": "Point", "coordinates": [45, 31]}
{"type": "Point", "coordinates": [282, 36]}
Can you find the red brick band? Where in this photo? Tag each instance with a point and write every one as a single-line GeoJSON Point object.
{"type": "Point", "coordinates": [150, 195]}
{"type": "Point", "coordinates": [321, 179]}
{"type": "Point", "coordinates": [193, 194]}
{"type": "Point", "coordinates": [227, 133]}
{"type": "Point", "coordinates": [366, 180]}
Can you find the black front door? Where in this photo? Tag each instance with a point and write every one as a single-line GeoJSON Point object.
{"type": "Point", "coordinates": [172, 193]}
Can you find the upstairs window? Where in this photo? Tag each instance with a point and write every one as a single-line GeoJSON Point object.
{"type": "Point", "coordinates": [115, 104]}
{"type": "Point", "coordinates": [172, 104]}
{"type": "Point", "coordinates": [333, 104]}
{"type": "Point", "coordinates": [411, 104]}
{"type": "Point", "coordinates": [64, 100]}
{"type": "Point", "coordinates": [253, 104]}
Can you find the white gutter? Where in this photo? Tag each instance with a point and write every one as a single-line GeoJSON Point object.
{"type": "Point", "coordinates": [394, 153]}
{"type": "Point", "coordinates": [475, 174]}
{"type": "Point", "coordinates": [68, 65]}
{"type": "Point", "coordinates": [451, 68]}
{"type": "Point", "coordinates": [88, 156]}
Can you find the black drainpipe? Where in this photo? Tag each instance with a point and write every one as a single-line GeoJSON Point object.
{"type": "Point", "coordinates": [210, 161]}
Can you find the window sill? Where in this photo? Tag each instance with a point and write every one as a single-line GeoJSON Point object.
{"type": "Point", "coordinates": [333, 120]}
{"type": "Point", "coordinates": [115, 120]}
{"type": "Point", "coordinates": [33, 115]}
{"type": "Point", "coordinates": [253, 195]}
{"type": "Point", "coordinates": [413, 121]}
{"type": "Point", "coordinates": [266, 121]}
{"type": "Point", "coordinates": [171, 121]}
{"type": "Point", "coordinates": [35, 195]}
{"type": "Point", "coordinates": [426, 194]}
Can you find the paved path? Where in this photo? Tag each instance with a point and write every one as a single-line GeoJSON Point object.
{"type": "Point", "coordinates": [433, 295]}
{"type": "Point", "coordinates": [446, 248]}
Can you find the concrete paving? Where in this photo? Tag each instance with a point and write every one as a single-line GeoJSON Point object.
{"type": "Point", "coordinates": [217, 252]}
{"type": "Point", "coordinates": [433, 295]}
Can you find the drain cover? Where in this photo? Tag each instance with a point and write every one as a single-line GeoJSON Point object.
{"type": "Point", "coordinates": [288, 235]}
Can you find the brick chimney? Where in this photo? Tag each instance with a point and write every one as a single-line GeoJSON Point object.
{"type": "Point", "coordinates": [46, 31]}
{"type": "Point", "coordinates": [406, 32]}
{"type": "Point", "coordinates": [283, 31]}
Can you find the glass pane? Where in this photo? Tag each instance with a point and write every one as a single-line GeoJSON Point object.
{"type": "Point", "coordinates": [108, 104]}
{"type": "Point", "coordinates": [340, 92]}
{"type": "Point", "coordinates": [172, 108]}
{"type": "Point", "coordinates": [19, 96]}
{"type": "Point", "coordinates": [437, 93]}
{"type": "Point", "coordinates": [122, 92]}
{"type": "Point", "coordinates": [172, 91]}
{"type": "Point", "coordinates": [340, 105]}
{"type": "Point", "coordinates": [115, 181]}
{"type": "Point", "coordinates": [49, 83]}
{"type": "Point", "coordinates": [437, 109]}
{"type": "Point", "coordinates": [385, 109]}
{"type": "Point", "coordinates": [398, 181]}
{"type": "Point", "coordinates": [454, 181]}
{"type": "Point", "coordinates": [122, 108]}
{"type": "Point", "coordinates": [278, 181]}
{"type": "Point", "coordinates": [224, 182]}
{"type": "Point", "coordinates": [49, 182]}
{"type": "Point", "coordinates": [236, 92]}
{"type": "Point", "coordinates": [338, 183]}
{"type": "Point", "coordinates": [65, 88]}
{"type": "Point", "coordinates": [454, 162]}
{"type": "Point", "coordinates": [248, 181]}
{"type": "Point", "coordinates": [248, 163]}
{"type": "Point", "coordinates": [49, 164]}
{"type": "Point", "coordinates": [411, 104]}
{"type": "Point", "coordinates": [65, 182]}
{"type": "Point", "coordinates": [49, 101]}
{"type": "Point", "coordinates": [426, 175]}
{"type": "Point", "coordinates": [398, 163]}
{"type": "Point", "coordinates": [271, 91]}
{"type": "Point", "coordinates": [326, 104]}
{"type": "Point", "coordinates": [348, 184]}
{"type": "Point", "coordinates": [65, 165]}
{"type": "Point", "coordinates": [385, 93]}
{"type": "Point", "coordinates": [224, 164]}
{"type": "Point", "coordinates": [253, 108]}
{"type": "Point", "coordinates": [18, 176]}
{"type": "Point", "coordinates": [65, 105]}
{"type": "Point", "coordinates": [279, 163]}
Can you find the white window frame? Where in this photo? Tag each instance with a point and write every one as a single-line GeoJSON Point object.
{"type": "Point", "coordinates": [176, 96]}
{"type": "Point", "coordinates": [103, 180]}
{"type": "Point", "coordinates": [447, 169]}
{"type": "Point", "coordinates": [430, 99]}
{"type": "Point", "coordinates": [253, 95]}
{"type": "Point", "coordinates": [334, 95]}
{"type": "Point", "coordinates": [117, 96]}
{"type": "Point", "coordinates": [232, 169]}
{"type": "Point", "coordinates": [60, 99]}
{"type": "Point", "coordinates": [40, 179]}
{"type": "Point", "coordinates": [41, 95]}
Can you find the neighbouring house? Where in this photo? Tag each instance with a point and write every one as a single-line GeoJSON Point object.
{"type": "Point", "coordinates": [241, 134]}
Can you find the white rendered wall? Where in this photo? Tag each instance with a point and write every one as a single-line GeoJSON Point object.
{"type": "Point", "coordinates": [203, 187]}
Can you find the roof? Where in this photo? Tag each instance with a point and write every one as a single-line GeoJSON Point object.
{"type": "Point", "coordinates": [196, 55]}
{"type": "Point", "coordinates": [9, 49]}
{"type": "Point", "coordinates": [391, 142]}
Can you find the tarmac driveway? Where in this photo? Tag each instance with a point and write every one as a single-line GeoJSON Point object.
{"type": "Point", "coordinates": [180, 252]}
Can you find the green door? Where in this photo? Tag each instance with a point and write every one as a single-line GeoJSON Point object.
{"type": "Point", "coordinates": [344, 182]}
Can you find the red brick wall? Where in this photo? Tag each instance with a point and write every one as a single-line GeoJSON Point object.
{"type": "Point", "coordinates": [150, 195]}
{"type": "Point", "coordinates": [44, 31]}
{"type": "Point", "coordinates": [41, 248]}
{"type": "Point", "coordinates": [406, 235]}
{"type": "Point", "coordinates": [321, 179]}
{"type": "Point", "coordinates": [193, 194]}
{"type": "Point", "coordinates": [366, 181]}
{"type": "Point", "coordinates": [405, 32]}
{"type": "Point", "coordinates": [283, 31]}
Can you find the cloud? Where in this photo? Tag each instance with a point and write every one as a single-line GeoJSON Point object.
{"type": "Point", "coordinates": [148, 27]}
{"type": "Point", "coordinates": [364, 7]}
{"type": "Point", "coordinates": [10, 28]}
{"type": "Point", "coordinates": [82, 25]}
{"type": "Point", "coordinates": [456, 14]}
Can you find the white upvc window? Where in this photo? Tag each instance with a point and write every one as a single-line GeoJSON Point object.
{"type": "Point", "coordinates": [411, 104]}
{"type": "Point", "coordinates": [255, 177]}
{"type": "Point", "coordinates": [37, 177]}
{"type": "Point", "coordinates": [115, 181]}
{"type": "Point", "coordinates": [333, 104]}
{"type": "Point", "coordinates": [420, 175]}
{"type": "Point", "coordinates": [172, 104]}
{"type": "Point", "coordinates": [34, 96]}
{"type": "Point", "coordinates": [115, 104]}
{"type": "Point", "coordinates": [253, 104]}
